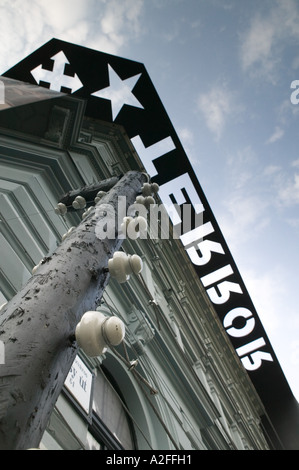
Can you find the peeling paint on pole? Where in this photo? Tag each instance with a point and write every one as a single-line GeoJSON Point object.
{"type": "Point", "coordinates": [37, 325]}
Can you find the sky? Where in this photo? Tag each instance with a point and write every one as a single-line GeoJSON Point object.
{"type": "Point", "coordinates": [224, 70]}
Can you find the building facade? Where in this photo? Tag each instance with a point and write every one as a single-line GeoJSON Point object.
{"type": "Point", "coordinates": [175, 383]}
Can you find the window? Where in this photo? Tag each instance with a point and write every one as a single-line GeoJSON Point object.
{"type": "Point", "coordinates": [106, 426]}
{"type": "Point", "coordinates": [109, 411]}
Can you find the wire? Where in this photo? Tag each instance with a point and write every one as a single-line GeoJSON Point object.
{"type": "Point", "coordinates": [126, 408]}
{"type": "Point", "coordinates": [135, 372]}
{"type": "Point", "coordinates": [151, 299]}
{"type": "Point", "coordinates": [142, 381]}
{"type": "Point", "coordinates": [161, 420]}
{"type": "Point", "coordinates": [140, 378]}
{"type": "Point", "coordinates": [190, 365]}
{"type": "Point", "coordinates": [153, 376]}
{"type": "Point", "coordinates": [159, 316]}
{"type": "Point", "coordinates": [27, 216]}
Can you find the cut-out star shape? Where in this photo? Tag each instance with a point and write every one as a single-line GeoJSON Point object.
{"type": "Point", "coordinates": [119, 92]}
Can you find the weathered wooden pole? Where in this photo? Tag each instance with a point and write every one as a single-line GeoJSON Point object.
{"type": "Point", "coordinates": [37, 324]}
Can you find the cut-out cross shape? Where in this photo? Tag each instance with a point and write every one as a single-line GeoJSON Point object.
{"type": "Point", "coordinates": [57, 78]}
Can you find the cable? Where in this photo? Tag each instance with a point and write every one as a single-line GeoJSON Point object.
{"type": "Point", "coordinates": [151, 299]}
{"type": "Point", "coordinates": [126, 408]}
{"type": "Point", "coordinates": [27, 216]}
{"type": "Point", "coordinates": [161, 420]}
{"type": "Point", "coordinates": [135, 372]}
{"type": "Point", "coordinates": [142, 381]}
{"type": "Point", "coordinates": [153, 376]}
{"type": "Point", "coordinates": [190, 367]}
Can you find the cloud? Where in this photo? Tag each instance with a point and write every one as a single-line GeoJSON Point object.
{"type": "Point", "coordinates": [289, 192]}
{"type": "Point", "coordinates": [277, 134]}
{"type": "Point", "coordinates": [267, 35]}
{"type": "Point", "coordinates": [284, 184]}
{"type": "Point", "coordinates": [241, 167]}
{"type": "Point", "coordinates": [63, 15]}
{"type": "Point", "coordinates": [257, 46]}
{"type": "Point", "coordinates": [186, 137]}
{"type": "Point", "coordinates": [121, 20]}
{"type": "Point", "coordinates": [216, 106]}
{"type": "Point", "coordinates": [267, 291]}
{"type": "Point", "coordinates": [243, 219]}
{"type": "Point", "coordinates": [271, 170]}
{"type": "Point", "coordinates": [106, 25]}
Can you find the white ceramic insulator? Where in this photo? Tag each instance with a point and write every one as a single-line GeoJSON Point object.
{"type": "Point", "coordinates": [136, 264]}
{"type": "Point", "coordinates": [146, 189]}
{"type": "Point", "coordinates": [61, 209]}
{"type": "Point", "coordinates": [95, 332]}
{"type": "Point", "coordinates": [114, 330]}
{"type": "Point", "coordinates": [122, 265]}
{"type": "Point", "coordinates": [99, 196]}
{"type": "Point", "coordinates": [79, 203]}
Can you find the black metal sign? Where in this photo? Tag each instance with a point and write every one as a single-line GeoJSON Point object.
{"type": "Point", "coordinates": [120, 91]}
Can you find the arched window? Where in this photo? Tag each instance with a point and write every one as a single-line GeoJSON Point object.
{"type": "Point", "coordinates": [104, 424]}
{"type": "Point", "coordinates": [109, 408]}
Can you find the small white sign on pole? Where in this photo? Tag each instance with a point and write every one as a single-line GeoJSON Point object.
{"type": "Point", "coordinates": [79, 383]}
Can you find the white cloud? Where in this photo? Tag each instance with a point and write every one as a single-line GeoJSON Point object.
{"type": "Point", "coordinates": [257, 45]}
{"type": "Point", "coordinates": [293, 222]}
{"type": "Point", "coordinates": [120, 20]}
{"type": "Point", "coordinates": [243, 219]}
{"type": "Point", "coordinates": [271, 170]}
{"type": "Point", "coordinates": [267, 291]}
{"type": "Point", "coordinates": [216, 106]}
{"type": "Point", "coordinates": [241, 167]}
{"type": "Point", "coordinates": [277, 134]}
{"type": "Point", "coordinates": [63, 14]}
{"type": "Point", "coordinates": [284, 185]}
{"type": "Point", "coordinates": [262, 43]}
{"type": "Point", "coordinates": [186, 137]}
{"type": "Point", "coordinates": [244, 213]}
{"type": "Point", "coordinates": [289, 191]}
{"type": "Point", "coordinates": [100, 24]}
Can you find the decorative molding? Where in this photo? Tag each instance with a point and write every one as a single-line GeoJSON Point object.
{"type": "Point", "coordinates": [140, 328]}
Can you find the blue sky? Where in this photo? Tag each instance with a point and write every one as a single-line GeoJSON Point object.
{"type": "Point", "coordinates": [223, 70]}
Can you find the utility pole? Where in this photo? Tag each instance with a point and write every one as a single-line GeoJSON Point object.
{"type": "Point", "coordinates": [37, 325]}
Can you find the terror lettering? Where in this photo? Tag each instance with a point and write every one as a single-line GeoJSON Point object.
{"type": "Point", "coordinates": [201, 250]}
